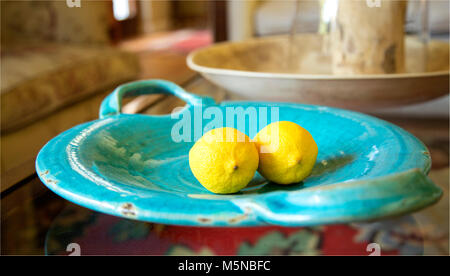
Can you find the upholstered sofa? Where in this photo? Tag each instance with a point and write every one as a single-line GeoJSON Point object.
{"type": "Point", "coordinates": [57, 64]}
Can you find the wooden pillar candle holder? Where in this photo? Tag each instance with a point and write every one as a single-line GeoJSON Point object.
{"type": "Point", "coordinates": [368, 37]}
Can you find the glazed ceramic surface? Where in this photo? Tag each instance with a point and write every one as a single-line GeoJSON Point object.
{"type": "Point", "coordinates": [270, 69]}
{"type": "Point", "coordinates": [129, 165]}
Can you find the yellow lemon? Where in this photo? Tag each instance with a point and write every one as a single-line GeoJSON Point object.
{"type": "Point", "coordinates": [287, 152]}
{"type": "Point", "coordinates": [224, 160]}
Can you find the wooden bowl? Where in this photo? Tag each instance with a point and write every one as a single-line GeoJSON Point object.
{"type": "Point", "coordinates": [269, 69]}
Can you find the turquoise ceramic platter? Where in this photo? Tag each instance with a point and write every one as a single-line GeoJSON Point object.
{"type": "Point", "coordinates": [131, 165]}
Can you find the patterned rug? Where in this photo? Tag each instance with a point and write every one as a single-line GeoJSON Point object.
{"type": "Point", "coordinates": [101, 234]}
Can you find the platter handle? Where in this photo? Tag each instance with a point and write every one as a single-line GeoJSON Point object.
{"type": "Point", "coordinates": [112, 104]}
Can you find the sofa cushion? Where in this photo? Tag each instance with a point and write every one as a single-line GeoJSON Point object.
{"type": "Point", "coordinates": [20, 148]}
{"type": "Point", "coordinates": [276, 17]}
{"type": "Point", "coordinates": [49, 20]}
{"type": "Point", "coordinates": [37, 80]}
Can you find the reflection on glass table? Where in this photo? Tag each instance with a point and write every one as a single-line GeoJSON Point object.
{"type": "Point", "coordinates": [98, 234]}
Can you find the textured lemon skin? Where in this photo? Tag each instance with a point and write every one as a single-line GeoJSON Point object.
{"type": "Point", "coordinates": [286, 155]}
{"type": "Point", "coordinates": [224, 160]}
